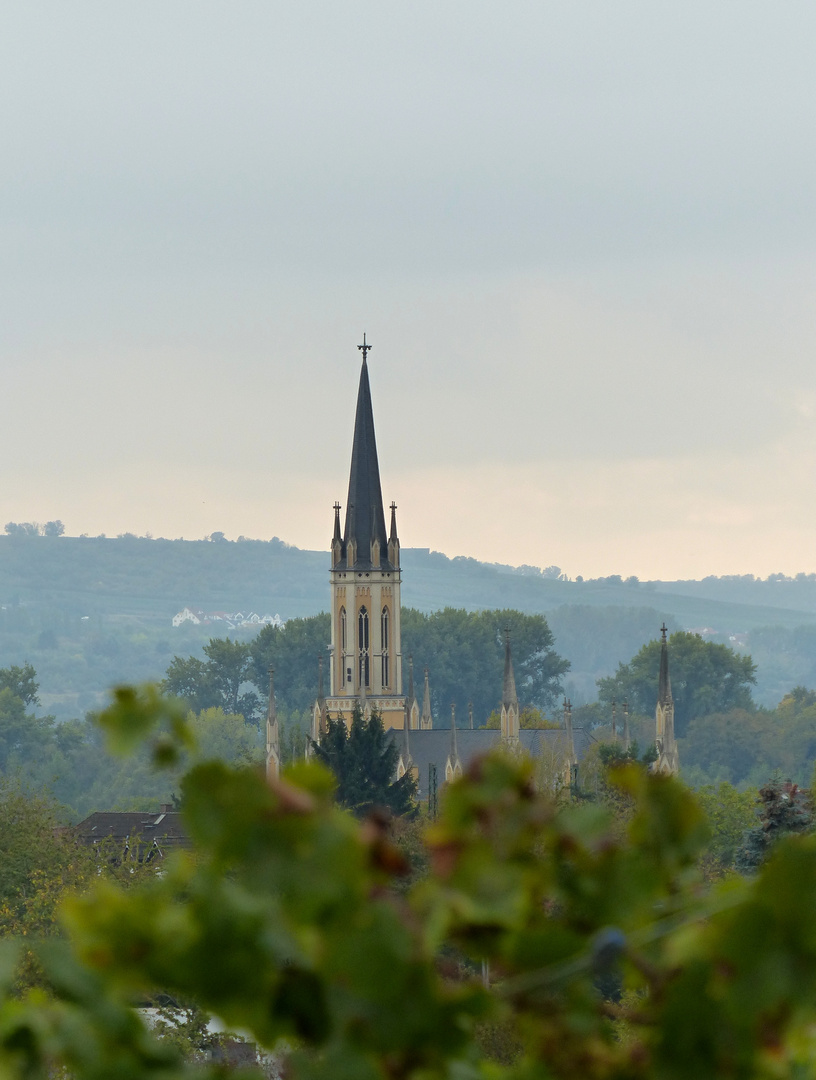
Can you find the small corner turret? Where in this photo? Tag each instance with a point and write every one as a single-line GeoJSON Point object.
{"type": "Point", "coordinates": [393, 539]}
{"type": "Point", "coordinates": [337, 549]}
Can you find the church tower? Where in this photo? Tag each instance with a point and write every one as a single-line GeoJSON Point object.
{"type": "Point", "coordinates": [667, 758]}
{"type": "Point", "coordinates": [366, 661]}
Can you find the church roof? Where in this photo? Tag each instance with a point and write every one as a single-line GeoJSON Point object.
{"type": "Point", "coordinates": [434, 746]}
{"type": "Point", "coordinates": [365, 517]}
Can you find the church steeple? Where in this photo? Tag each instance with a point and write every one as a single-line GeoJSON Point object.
{"type": "Point", "coordinates": [365, 540]}
{"type": "Point", "coordinates": [366, 648]}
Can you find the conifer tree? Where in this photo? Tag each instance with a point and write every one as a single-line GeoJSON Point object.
{"type": "Point", "coordinates": [364, 763]}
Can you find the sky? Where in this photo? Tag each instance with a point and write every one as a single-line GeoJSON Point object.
{"type": "Point", "coordinates": [581, 238]}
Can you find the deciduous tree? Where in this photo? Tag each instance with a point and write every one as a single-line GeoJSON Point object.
{"type": "Point", "coordinates": [706, 677]}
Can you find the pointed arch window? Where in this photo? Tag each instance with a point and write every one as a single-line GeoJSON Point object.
{"type": "Point", "coordinates": [342, 657]}
{"type": "Point", "coordinates": [384, 636]}
{"type": "Point", "coordinates": [363, 646]}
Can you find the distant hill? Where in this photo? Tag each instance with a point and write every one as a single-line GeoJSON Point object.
{"type": "Point", "coordinates": [91, 611]}
{"type": "Point", "coordinates": [156, 578]}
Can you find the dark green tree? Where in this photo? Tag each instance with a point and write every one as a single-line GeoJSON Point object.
{"type": "Point", "coordinates": [22, 682]}
{"type": "Point", "coordinates": [219, 682]}
{"type": "Point", "coordinates": [464, 652]}
{"type": "Point", "coordinates": [705, 678]}
{"type": "Point", "coordinates": [187, 678]}
{"type": "Point", "coordinates": [364, 763]}
{"type": "Point", "coordinates": [783, 809]}
{"type": "Point", "coordinates": [24, 738]}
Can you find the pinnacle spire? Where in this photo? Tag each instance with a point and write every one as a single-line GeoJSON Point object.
{"type": "Point", "coordinates": [426, 719]}
{"type": "Point", "coordinates": [664, 694]}
{"type": "Point", "coordinates": [272, 733]}
{"type": "Point", "coordinates": [509, 695]}
{"type": "Point", "coordinates": [453, 766]}
{"type": "Point", "coordinates": [665, 743]}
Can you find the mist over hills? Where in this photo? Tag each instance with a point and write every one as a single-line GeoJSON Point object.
{"type": "Point", "coordinates": [89, 612]}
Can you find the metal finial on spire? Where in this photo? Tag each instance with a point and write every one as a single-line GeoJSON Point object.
{"type": "Point", "coordinates": [664, 630]}
{"type": "Point", "coordinates": [365, 348]}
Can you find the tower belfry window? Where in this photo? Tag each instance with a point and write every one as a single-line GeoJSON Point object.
{"type": "Point", "coordinates": [384, 642]}
{"type": "Point", "coordinates": [363, 647]}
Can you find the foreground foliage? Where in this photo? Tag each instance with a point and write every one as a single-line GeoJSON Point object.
{"type": "Point", "coordinates": [606, 957]}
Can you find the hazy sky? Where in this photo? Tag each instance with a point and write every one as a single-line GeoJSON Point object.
{"type": "Point", "coordinates": [580, 236]}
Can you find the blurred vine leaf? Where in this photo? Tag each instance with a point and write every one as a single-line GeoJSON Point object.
{"type": "Point", "coordinates": [142, 714]}
{"type": "Point", "coordinates": [546, 940]}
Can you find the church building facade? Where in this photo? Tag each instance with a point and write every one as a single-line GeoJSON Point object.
{"type": "Point", "coordinates": [365, 654]}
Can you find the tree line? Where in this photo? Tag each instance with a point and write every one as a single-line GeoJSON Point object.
{"type": "Point", "coordinates": [464, 652]}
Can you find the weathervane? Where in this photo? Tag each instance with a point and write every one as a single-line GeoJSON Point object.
{"type": "Point", "coordinates": [364, 348]}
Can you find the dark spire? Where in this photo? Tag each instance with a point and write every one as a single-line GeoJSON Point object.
{"type": "Point", "coordinates": [509, 695]}
{"type": "Point", "coordinates": [365, 517]}
{"type": "Point", "coordinates": [337, 521]}
{"type": "Point", "coordinates": [426, 719]}
{"type": "Point", "coordinates": [664, 694]}
{"type": "Point", "coordinates": [272, 712]}
{"type": "Point", "coordinates": [453, 768]}
{"type": "Point", "coordinates": [393, 534]}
